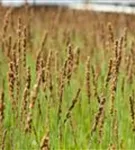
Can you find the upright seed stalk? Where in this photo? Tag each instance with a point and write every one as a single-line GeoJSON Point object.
{"type": "Point", "coordinates": [87, 80]}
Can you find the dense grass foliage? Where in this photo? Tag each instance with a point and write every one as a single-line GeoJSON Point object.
{"type": "Point", "coordinates": [66, 79]}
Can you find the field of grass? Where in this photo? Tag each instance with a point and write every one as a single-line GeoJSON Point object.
{"type": "Point", "coordinates": [66, 79]}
